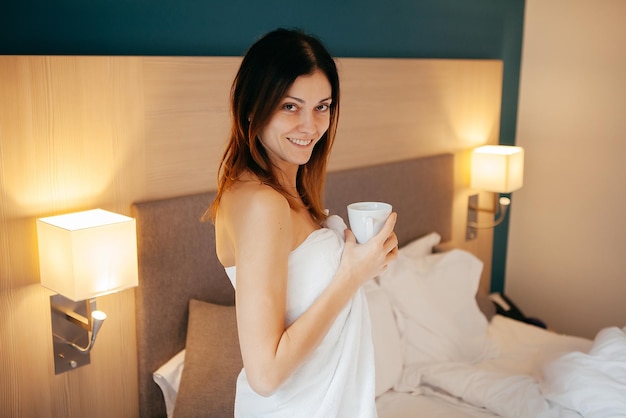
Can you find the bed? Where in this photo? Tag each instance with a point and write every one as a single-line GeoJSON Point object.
{"type": "Point", "coordinates": [441, 349]}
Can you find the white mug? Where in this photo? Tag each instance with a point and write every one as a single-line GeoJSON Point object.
{"type": "Point", "coordinates": [367, 218]}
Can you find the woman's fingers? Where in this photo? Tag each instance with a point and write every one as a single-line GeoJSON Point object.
{"type": "Point", "coordinates": [391, 244]}
{"type": "Point", "coordinates": [370, 259]}
{"type": "Point", "coordinates": [390, 223]}
{"type": "Point", "coordinates": [391, 240]}
{"type": "Point", "coordinates": [349, 235]}
{"type": "Point", "coordinates": [387, 228]}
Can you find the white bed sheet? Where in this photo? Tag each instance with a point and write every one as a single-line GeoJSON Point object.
{"type": "Point", "coordinates": [507, 384]}
{"type": "Point", "coordinates": [523, 349]}
{"type": "Point", "coordinates": [405, 405]}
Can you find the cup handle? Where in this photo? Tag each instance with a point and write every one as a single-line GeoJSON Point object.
{"type": "Point", "coordinates": [369, 227]}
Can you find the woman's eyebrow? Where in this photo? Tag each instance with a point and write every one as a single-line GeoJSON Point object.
{"type": "Point", "coordinates": [299, 100]}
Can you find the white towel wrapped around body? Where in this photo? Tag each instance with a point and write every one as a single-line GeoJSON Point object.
{"type": "Point", "coordinates": [338, 379]}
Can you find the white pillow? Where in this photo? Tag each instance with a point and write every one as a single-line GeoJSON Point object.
{"type": "Point", "coordinates": [168, 378]}
{"type": "Point", "coordinates": [422, 246]}
{"type": "Point", "coordinates": [388, 346]}
{"type": "Point", "coordinates": [437, 311]}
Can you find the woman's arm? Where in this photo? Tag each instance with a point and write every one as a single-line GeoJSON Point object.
{"type": "Point", "coordinates": [263, 239]}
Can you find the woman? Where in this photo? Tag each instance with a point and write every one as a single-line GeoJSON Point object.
{"type": "Point", "coordinates": [302, 320]}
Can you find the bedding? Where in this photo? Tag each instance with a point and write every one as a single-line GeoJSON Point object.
{"type": "Point", "coordinates": [168, 378]}
{"type": "Point", "coordinates": [507, 384]}
{"type": "Point", "coordinates": [592, 383]}
{"type": "Point", "coordinates": [394, 404]}
{"type": "Point", "coordinates": [422, 369]}
{"type": "Point", "coordinates": [510, 368]}
{"type": "Point", "coordinates": [436, 309]}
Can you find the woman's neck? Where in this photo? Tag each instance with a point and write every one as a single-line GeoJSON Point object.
{"type": "Point", "coordinates": [288, 178]}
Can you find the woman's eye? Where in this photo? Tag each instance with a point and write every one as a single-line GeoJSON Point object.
{"type": "Point", "coordinates": [323, 107]}
{"type": "Point", "coordinates": [290, 107]}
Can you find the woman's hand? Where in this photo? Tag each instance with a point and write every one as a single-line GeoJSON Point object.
{"type": "Point", "coordinates": [362, 262]}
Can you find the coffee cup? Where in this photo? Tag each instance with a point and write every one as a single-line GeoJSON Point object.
{"type": "Point", "coordinates": [367, 218]}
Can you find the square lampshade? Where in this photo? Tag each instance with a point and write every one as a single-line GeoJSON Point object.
{"type": "Point", "coordinates": [497, 168]}
{"type": "Point", "coordinates": [87, 254]}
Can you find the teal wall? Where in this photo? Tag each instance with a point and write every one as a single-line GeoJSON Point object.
{"type": "Point", "coordinates": [350, 28]}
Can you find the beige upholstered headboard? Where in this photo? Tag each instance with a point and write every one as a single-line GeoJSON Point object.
{"type": "Point", "coordinates": [177, 258]}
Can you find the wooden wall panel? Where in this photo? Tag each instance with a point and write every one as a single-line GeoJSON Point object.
{"type": "Point", "coordinates": [391, 109]}
{"type": "Point", "coordinates": [84, 132]}
{"type": "Point", "coordinates": [71, 138]}
{"type": "Point", "coordinates": [395, 109]}
{"type": "Point", "coordinates": [187, 121]}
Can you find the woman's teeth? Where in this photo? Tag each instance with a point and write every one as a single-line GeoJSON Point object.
{"type": "Point", "coordinates": [300, 141]}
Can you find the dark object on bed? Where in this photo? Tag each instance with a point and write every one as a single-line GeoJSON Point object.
{"type": "Point", "coordinates": [177, 260]}
{"type": "Point", "coordinates": [505, 307]}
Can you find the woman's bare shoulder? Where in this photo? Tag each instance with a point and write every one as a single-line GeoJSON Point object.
{"type": "Point", "coordinates": [253, 197]}
{"type": "Point", "coordinates": [249, 207]}
{"type": "Point", "coordinates": [253, 221]}
{"type": "Point", "coordinates": [249, 213]}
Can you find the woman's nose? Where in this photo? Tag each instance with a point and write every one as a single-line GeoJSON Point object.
{"type": "Point", "coordinates": [307, 122]}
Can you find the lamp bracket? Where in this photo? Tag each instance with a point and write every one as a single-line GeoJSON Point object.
{"type": "Point", "coordinates": [70, 324]}
{"type": "Point", "coordinates": [500, 210]}
{"type": "Point", "coordinates": [83, 321]}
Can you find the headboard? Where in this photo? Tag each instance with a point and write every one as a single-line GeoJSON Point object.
{"type": "Point", "coordinates": [177, 258]}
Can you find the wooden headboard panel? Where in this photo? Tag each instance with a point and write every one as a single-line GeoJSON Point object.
{"type": "Point", "coordinates": [177, 258]}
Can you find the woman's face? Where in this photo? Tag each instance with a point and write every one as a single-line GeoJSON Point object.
{"type": "Point", "coordinates": [301, 119]}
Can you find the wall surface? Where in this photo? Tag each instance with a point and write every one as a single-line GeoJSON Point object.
{"type": "Point", "coordinates": [489, 29]}
{"type": "Point", "coordinates": [70, 139]}
{"type": "Point", "coordinates": [568, 232]}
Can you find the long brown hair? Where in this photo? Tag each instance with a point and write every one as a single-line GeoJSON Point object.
{"type": "Point", "coordinates": [267, 71]}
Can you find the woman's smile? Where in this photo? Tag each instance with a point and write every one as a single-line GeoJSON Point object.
{"type": "Point", "coordinates": [301, 142]}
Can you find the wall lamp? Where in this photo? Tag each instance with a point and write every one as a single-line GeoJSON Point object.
{"type": "Point", "coordinates": [83, 255]}
{"type": "Point", "coordinates": [497, 169]}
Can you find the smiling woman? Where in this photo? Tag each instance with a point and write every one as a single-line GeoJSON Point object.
{"type": "Point", "coordinates": [302, 320]}
{"type": "Point", "coordinates": [260, 92]}
{"type": "Point", "coordinates": [300, 121]}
